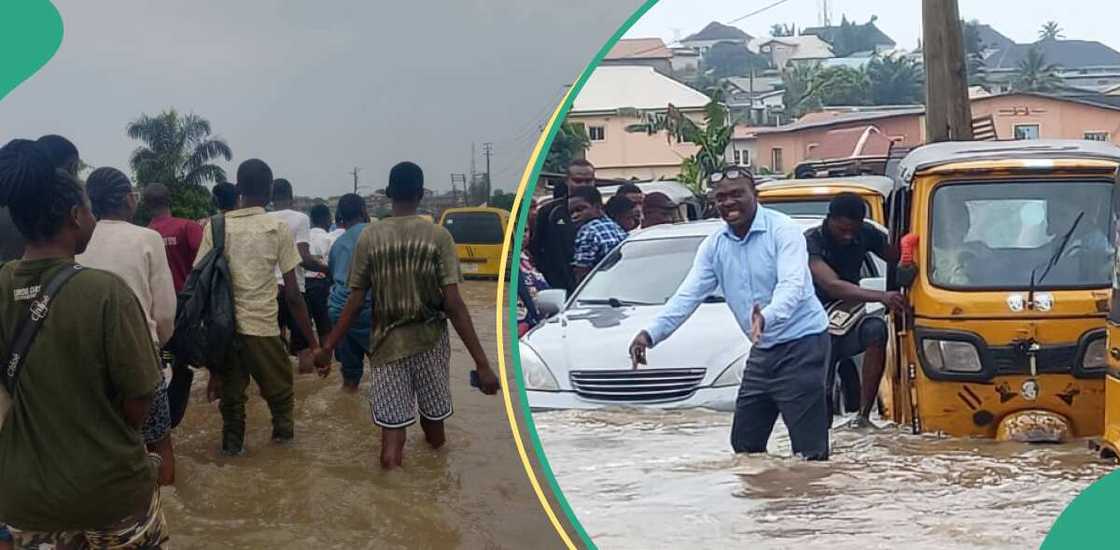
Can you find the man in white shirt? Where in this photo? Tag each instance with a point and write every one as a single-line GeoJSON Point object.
{"type": "Point", "coordinates": [300, 226]}
{"type": "Point", "coordinates": [318, 285]}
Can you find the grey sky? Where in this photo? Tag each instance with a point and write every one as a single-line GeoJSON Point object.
{"type": "Point", "coordinates": [901, 19]}
{"type": "Point", "coordinates": [316, 88]}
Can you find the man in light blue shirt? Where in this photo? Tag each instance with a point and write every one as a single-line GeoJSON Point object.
{"type": "Point", "coordinates": [761, 263]}
{"type": "Point", "coordinates": [353, 347]}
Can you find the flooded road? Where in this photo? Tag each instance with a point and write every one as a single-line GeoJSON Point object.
{"type": "Point", "coordinates": [668, 479]}
{"type": "Point", "coordinates": [327, 489]}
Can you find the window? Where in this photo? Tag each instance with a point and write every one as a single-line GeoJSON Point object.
{"type": "Point", "coordinates": [1096, 136]}
{"type": "Point", "coordinates": [597, 133]}
{"type": "Point", "coordinates": [474, 227]}
{"type": "Point", "coordinates": [644, 272]}
{"type": "Point", "coordinates": [994, 235]}
{"type": "Point", "coordinates": [737, 156]}
{"type": "Point", "coordinates": [1026, 131]}
{"type": "Point", "coordinates": [745, 157]}
{"type": "Point", "coordinates": [776, 160]}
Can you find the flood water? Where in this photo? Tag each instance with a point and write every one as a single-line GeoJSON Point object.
{"type": "Point", "coordinates": [668, 479]}
{"type": "Point", "coordinates": [327, 489]}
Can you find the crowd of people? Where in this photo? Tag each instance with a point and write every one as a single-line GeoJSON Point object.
{"type": "Point", "coordinates": [92, 321]}
{"type": "Point", "coordinates": [571, 233]}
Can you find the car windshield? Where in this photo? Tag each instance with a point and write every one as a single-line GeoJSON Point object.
{"type": "Point", "coordinates": [645, 272]}
{"type": "Point", "coordinates": [992, 235]}
{"type": "Point", "coordinates": [816, 208]}
{"type": "Point", "coordinates": [474, 227]}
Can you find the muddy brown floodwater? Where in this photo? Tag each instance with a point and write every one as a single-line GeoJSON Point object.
{"type": "Point", "coordinates": [668, 479]}
{"type": "Point", "coordinates": [327, 489]}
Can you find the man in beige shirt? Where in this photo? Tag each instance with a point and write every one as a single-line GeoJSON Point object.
{"type": "Point", "coordinates": [256, 244]}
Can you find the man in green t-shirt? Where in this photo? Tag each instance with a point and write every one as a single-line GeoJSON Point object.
{"type": "Point", "coordinates": [73, 468]}
{"type": "Point", "coordinates": [410, 267]}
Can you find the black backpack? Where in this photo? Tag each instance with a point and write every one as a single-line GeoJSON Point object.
{"type": "Point", "coordinates": [204, 322]}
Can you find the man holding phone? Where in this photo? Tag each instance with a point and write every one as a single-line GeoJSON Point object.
{"type": "Point", "coordinates": [761, 262]}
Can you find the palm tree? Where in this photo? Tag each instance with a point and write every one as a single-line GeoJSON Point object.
{"type": "Point", "coordinates": [1036, 75]}
{"type": "Point", "coordinates": [178, 150]}
{"type": "Point", "coordinates": [1050, 31]}
{"type": "Point", "coordinates": [895, 81]}
{"type": "Point", "coordinates": [711, 138]}
{"type": "Point", "coordinates": [801, 95]}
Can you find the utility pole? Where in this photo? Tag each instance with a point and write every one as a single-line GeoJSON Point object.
{"type": "Point", "coordinates": [474, 176]}
{"type": "Point", "coordinates": [948, 110]}
{"type": "Point", "coordinates": [488, 149]}
{"type": "Point", "coordinates": [354, 173]}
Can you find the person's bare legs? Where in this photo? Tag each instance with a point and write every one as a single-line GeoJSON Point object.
{"type": "Point", "coordinates": [392, 447]}
{"type": "Point", "coordinates": [874, 360]}
{"type": "Point", "coordinates": [433, 432]}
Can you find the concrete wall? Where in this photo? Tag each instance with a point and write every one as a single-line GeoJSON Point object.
{"type": "Point", "coordinates": [1055, 119]}
{"type": "Point", "coordinates": [622, 154]}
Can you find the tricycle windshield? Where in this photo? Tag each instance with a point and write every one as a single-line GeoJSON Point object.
{"type": "Point", "coordinates": [994, 235]}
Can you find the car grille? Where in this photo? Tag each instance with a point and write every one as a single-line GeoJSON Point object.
{"type": "Point", "coordinates": [637, 385]}
{"type": "Point", "coordinates": [1051, 359]}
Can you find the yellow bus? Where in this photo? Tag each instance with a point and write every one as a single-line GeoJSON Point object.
{"type": "Point", "coordinates": [479, 233]}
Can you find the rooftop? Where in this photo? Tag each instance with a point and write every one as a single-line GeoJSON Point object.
{"type": "Point", "coordinates": [639, 48]}
{"type": "Point", "coordinates": [718, 31]}
{"type": "Point", "coordinates": [616, 87]}
{"type": "Point", "coordinates": [1067, 54]}
{"type": "Point", "coordinates": [829, 118]}
{"type": "Point", "coordinates": [829, 33]}
{"type": "Point", "coordinates": [950, 152]}
{"type": "Point", "coordinates": [805, 47]}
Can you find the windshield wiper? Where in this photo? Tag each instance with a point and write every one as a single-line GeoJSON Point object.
{"type": "Point", "coordinates": [614, 302]}
{"type": "Point", "coordinates": [1053, 261]}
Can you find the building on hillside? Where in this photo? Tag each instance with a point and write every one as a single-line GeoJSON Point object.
{"type": "Point", "coordinates": [756, 100]}
{"type": "Point", "coordinates": [602, 108]}
{"type": "Point", "coordinates": [876, 38]}
{"type": "Point", "coordinates": [685, 63]}
{"type": "Point", "coordinates": [715, 33]}
{"type": "Point", "coordinates": [1014, 116]}
{"type": "Point", "coordinates": [799, 50]}
{"type": "Point", "coordinates": [1083, 64]}
{"type": "Point", "coordinates": [648, 52]}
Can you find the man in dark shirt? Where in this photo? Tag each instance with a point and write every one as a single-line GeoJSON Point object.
{"type": "Point", "coordinates": [554, 236]}
{"type": "Point", "coordinates": [837, 250]}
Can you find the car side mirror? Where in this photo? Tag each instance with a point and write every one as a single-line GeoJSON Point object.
{"type": "Point", "coordinates": [551, 301]}
{"type": "Point", "coordinates": [874, 283]}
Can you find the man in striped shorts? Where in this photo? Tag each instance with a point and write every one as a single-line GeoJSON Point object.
{"type": "Point", "coordinates": [410, 267]}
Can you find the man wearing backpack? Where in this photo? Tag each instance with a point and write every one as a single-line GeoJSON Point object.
{"type": "Point", "coordinates": [255, 245]}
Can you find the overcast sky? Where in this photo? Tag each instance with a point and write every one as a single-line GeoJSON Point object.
{"type": "Point", "coordinates": [316, 88]}
{"type": "Point", "coordinates": [1019, 20]}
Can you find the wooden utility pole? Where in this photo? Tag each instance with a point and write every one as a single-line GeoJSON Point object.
{"type": "Point", "coordinates": [488, 149]}
{"type": "Point", "coordinates": [354, 173]}
{"type": "Point", "coordinates": [948, 110]}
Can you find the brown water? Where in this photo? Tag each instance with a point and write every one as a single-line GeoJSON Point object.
{"type": "Point", "coordinates": [646, 479]}
{"type": "Point", "coordinates": [327, 490]}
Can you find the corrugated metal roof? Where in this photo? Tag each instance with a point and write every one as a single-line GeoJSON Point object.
{"type": "Point", "coordinates": [639, 48]}
{"type": "Point", "coordinates": [615, 87]}
{"type": "Point", "coordinates": [949, 152]}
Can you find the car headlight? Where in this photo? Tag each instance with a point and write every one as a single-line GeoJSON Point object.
{"type": "Point", "coordinates": [951, 355]}
{"type": "Point", "coordinates": [732, 375]}
{"type": "Point", "coordinates": [533, 370]}
{"type": "Point", "coordinates": [1096, 355]}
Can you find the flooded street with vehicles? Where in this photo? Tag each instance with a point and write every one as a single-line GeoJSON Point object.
{"type": "Point", "coordinates": [668, 479]}
{"type": "Point", "coordinates": [327, 489]}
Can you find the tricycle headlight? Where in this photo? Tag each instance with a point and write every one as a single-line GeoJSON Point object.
{"type": "Point", "coordinates": [1096, 355]}
{"type": "Point", "coordinates": [732, 375]}
{"type": "Point", "coordinates": [536, 374]}
{"type": "Point", "coordinates": [951, 356]}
